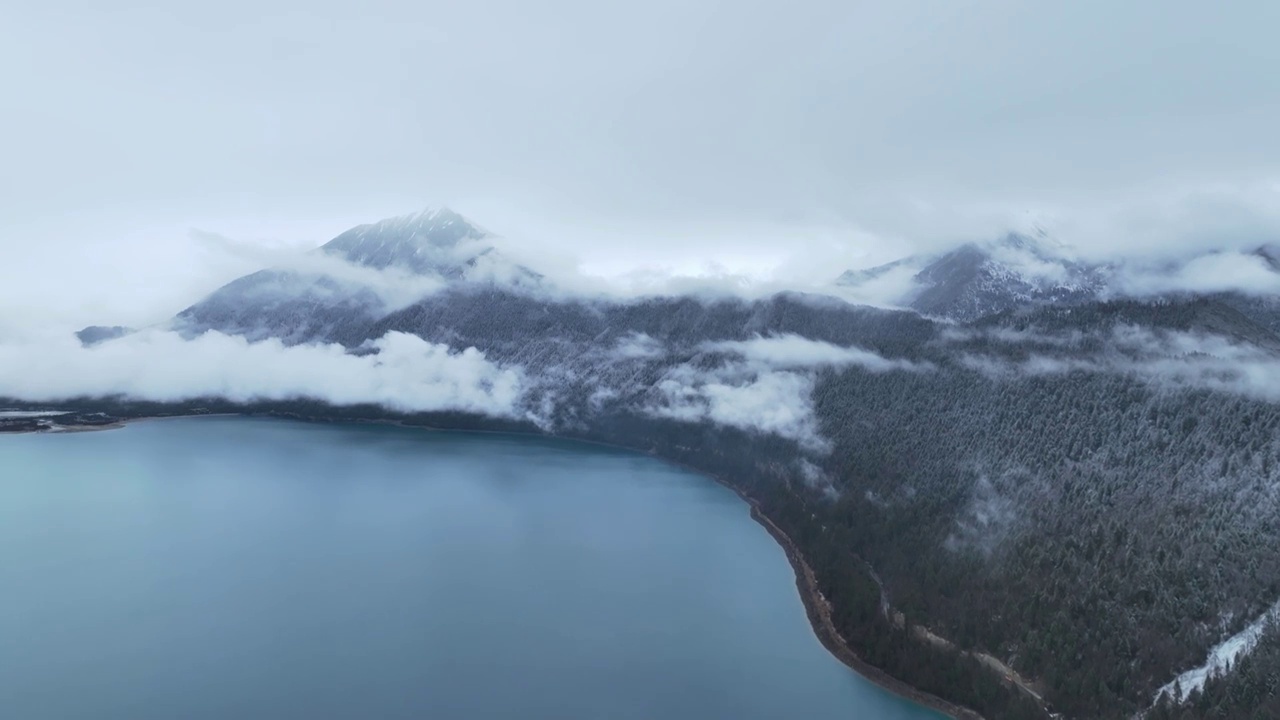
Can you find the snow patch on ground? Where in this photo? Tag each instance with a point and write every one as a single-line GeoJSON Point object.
{"type": "Point", "coordinates": [1226, 654]}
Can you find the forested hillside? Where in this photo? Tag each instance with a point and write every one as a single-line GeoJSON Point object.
{"type": "Point", "coordinates": [1081, 517]}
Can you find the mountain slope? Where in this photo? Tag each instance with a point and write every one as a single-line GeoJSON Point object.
{"type": "Point", "coordinates": [980, 279]}
{"type": "Point", "coordinates": [1019, 272]}
{"type": "Point", "coordinates": [354, 279]}
{"type": "Point", "coordinates": [437, 243]}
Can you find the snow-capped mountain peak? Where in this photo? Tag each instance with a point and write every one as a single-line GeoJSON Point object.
{"type": "Point", "coordinates": [436, 241]}
{"type": "Point", "coordinates": [980, 278]}
{"type": "Point", "coordinates": [363, 273]}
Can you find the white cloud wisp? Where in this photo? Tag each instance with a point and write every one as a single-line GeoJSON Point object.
{"type": "Point", "coordinates": [769, 390]}
{"type": "Point", "coordinates": [1161, 358]}
{"type": "Point", "coordinates": [405, 373]}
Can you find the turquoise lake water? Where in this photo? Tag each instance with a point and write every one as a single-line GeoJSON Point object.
{"type": "Point", "coordinates": [245, 568]}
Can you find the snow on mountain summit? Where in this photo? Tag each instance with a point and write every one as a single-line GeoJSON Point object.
{"type": "Point", "coordinates": [432, 241]}
{"type": "Point", "coordinates": [979, 279]}
{"type": "Point", "coordinates": [363, 273]}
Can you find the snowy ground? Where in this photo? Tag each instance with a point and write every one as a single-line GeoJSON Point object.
{"type": "Point", "coordinates": [1225, 654]}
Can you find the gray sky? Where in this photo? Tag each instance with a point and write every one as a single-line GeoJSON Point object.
{"type": "Point", "coordinates": [788, 138]}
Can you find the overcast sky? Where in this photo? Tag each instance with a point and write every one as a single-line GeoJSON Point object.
{"type": "Point", "coordinates": [787, 138]}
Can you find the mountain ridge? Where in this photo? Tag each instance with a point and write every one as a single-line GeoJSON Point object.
{"type": "Point", "coordinates": [1018, 271]}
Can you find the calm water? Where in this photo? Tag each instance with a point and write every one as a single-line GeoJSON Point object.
{"type": "Point", "coordinates": [236, 568]}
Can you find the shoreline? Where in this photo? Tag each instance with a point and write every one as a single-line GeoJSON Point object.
{"type": "Point", "coordinates": [817, 609]}
{"type": "Point", "coordinates": [66, 429]}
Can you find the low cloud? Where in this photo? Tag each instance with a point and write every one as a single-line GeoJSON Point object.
{"type": "Point", "coordinates": [1000, 368]}
{"type": "Point", "coordinates": [815, 478]}
{"type": "Point", "coordinates": [776, 402]}
{"type": "Point", "coordinates": [1201, 360]}
{"type": "Point", "coordinates": [637, 346]}
{"type": "Point", "coordinates": [985, 521]}
{"type": "Point", "coordinates": [767, 387]}
{"type": "Point", "coordinates": [1035, 267]}
{"type": "Point", "coordinates": [1022, 337]}
{"type": "Point", "coordinates": [314, 271]}
{"type": "Point", "coordinates": [403, 373]}
{"type": "Point", "coordinates": [794, 351]}
{"type": "Point", "coordinates": [891, 286]}
{"type": "Point", "coordinates": [1245, 272]}
{"type": "Point", "coordinates": [1164, 358]}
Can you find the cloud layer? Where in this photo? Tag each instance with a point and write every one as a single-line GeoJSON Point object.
{"type": "Point", "coordinates": [1181, 360]}
{"type": "Point", "coordinates": [766, 386]}
{"type": "Point", "coordinates": [794, 351]}
{"type": "Point", "coordinates": [405, 373]}
{"type": "Point", "coordinates": [777, 402]}
{"type": "Point", "coordinates": [1230, 270]}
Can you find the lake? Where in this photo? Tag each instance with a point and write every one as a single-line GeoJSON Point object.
{"type": "Point", "coordinates": [250, 568]}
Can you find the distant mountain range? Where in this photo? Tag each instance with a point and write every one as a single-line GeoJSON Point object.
{"type": "Point", "coordinates": [1020, 271]}
{"type": "Point", "coordinates": [1047, 463]}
